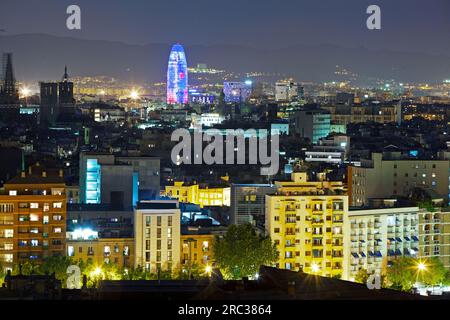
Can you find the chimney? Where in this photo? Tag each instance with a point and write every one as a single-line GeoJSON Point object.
{"type": "Point", "coordinates": [291, 288]}
{"type": "Point", "coordinates": [29, 170]}
{"type": "Point", "coordinates": [22, 174]}
{"type": "Point", "coordinates": [61, 173]}
{"type": "Point", "coordinates": [44, 174]}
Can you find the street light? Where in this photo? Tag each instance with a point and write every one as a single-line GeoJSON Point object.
{"type": "Point", "coordinates": [315, 268]}
{"type": "Point", "coordinates": [189, 241]}
{"type": "Point", "coordinates": [134, 94]}
{"type": "Point", "coordinates": [421, 266]}
{"type": "Point", "coordinates": [97, 272]}
{"type": "Point", "coordinates": [208, 270]}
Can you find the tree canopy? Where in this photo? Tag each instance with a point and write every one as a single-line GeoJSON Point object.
{"type": "Point", "coordinates": [241, 251]}
{"type": "Point", "coordinates": [407, 271]}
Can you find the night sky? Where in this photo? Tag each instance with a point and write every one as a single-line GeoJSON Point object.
{"type": "Point", "coordinates": [407, 25]}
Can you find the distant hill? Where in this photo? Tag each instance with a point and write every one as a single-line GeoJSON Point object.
{"type": "Point", "coordinates": [42, 57]}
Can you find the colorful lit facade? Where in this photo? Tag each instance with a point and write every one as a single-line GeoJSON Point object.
{"type": "Point", "coordinates": [192, 193]}
{"type": "Point", "coordinates": [177, 76]}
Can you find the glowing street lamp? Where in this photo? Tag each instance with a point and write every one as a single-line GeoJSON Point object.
{"type": "Point", "coordinates": [97, 272]}
{"type": "Point", "coordinates": [208, 270]}
{"type": "Point", "coordinates": [25, 92]}
{"type": "Point", "coordinates": [421, 266]}
{"type": "Point", "coordinates": [315, 268]}
{"type": "Point", "coordinates": [134, 94]}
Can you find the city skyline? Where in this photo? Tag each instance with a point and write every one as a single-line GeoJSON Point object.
{"type": "Point", "coordinates": [240, 151]}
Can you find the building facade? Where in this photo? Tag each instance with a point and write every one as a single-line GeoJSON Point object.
{"type": "Point", "coordinates": [382, 178]}
{"type": "Point", "coordinates": [105, 178]}
{"type": "Point", "coordinates": [119, 251]}
{"type": "Point", "coordinates": [202, 196]}
{"type": "Point", "coordinates": [248, 203]}
{"type": "Point", "coordinates": [157, 235]}
{"type": "Point", "coordinates": [196, 249]}
{"type": "Point", "coordinates": [345, 114]}
{"type": "Point", "coordinates": [312, 124]}
{"type": "Point", "coordinates": [237, 92]}
{"type": "Point", "coordinates": [177, 76]}
{"type": "Point", "coordinates": [306, 221]}
{"type": "Point", "coordinates": [376, 237]}
{"type": "Point", "coordinates": [434, 234]}
{"type": "Point", "coordinates": [32, 217]}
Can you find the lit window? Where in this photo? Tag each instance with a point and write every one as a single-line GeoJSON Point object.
{"type": "Point", "coordinates": [13, 192]}
{"type": "Point", "coordinates": [57, 205]}
{"type": "Point", "coordinates": [9, 233]}
{"type": "Point", "coordinates": [70, 251]}
{"type": "Point", "coordinates": [34, 205]}
{"type": "Point", "coordinates": [34, 217]}
{"type": "Point", "coordinates": [57, 230]}
{"type": "Point", "coordinates": [45, 219]}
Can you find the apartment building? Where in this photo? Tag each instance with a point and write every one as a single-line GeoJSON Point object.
{"type": "Point", "coordinates": [200, 195]}
{"type": "Point", "coordinates": [385, 177]}
{"type": "Point", "coordinates": [196, 248]}
{"type": "Point", "coordinates": [306, 221]}
{"type": "Point", "coordinates": [377, 236]}
{"type": "Point", "coordinates": [32, 217]}
{"type": "Point", "coordinates": [157, 235]}
{"type": "Point", "coordinates": [119, 251]}
{"type": "Point", "coordinates": [434, 234]}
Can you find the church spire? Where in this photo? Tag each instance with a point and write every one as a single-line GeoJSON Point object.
{"type": "Point", "coordinates": [66, 76]}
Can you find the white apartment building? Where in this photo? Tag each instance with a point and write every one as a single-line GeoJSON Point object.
{"type": "Point", "coordinates": [378, 236]}
{"type": "Point", "coordinates": [157, 235]}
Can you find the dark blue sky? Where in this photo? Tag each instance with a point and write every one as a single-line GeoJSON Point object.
{"type": "Point", "coordinates": [407, 25]}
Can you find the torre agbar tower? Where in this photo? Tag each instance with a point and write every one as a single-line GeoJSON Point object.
{"type": "Point", "coordinates": [177, 76]}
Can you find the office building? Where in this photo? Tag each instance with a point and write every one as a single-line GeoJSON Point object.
{"type": "Point", "coordinates": [312, 124]}
{"type": "Point", "coordinates": [383, 177]}
{"type": "Point", "coordinates": [177, 76]}
{"type": "Point", "coordinates": [237, 92]}
{"type": "Point", "coordinates": [32, 217]}
{"type": "Point", "coordinates": [332, 150]}
{"type": "Point", "coordinates": [306, 221]}
{"type": "Point", "coordinates": [105, 178]}
{"type": "Point", "coordinates": [157, 235]}
{"type": "Point", "coordinates": [248, 203]}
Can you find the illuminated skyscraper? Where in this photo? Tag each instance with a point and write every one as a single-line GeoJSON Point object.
{"type": "Point", "coordinates": [177, 76]}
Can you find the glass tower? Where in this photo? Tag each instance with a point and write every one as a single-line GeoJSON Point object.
{"type": "Point", "coordinates": [177, 76]}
